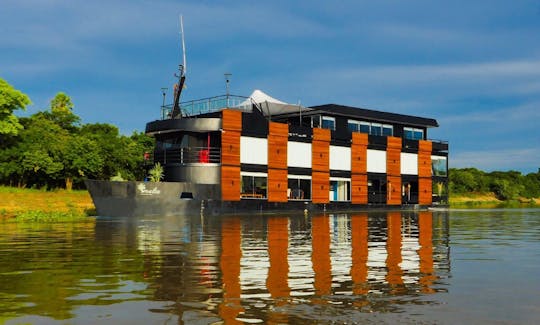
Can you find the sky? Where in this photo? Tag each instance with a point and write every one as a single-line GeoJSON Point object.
{"type": "Point", "coordinates": [474, 66]}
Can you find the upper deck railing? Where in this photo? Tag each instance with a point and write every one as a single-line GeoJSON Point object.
{"type": "Point", "coordinates": [210, 105]}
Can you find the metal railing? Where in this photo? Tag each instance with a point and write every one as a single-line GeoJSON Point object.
{"type": "Point", "coordinates": [210, 105]}
{"type": "Point", "coordinates": [189, 155]}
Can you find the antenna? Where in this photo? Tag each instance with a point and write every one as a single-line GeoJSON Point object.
{"type": "Point", "coordinates": [176, 111]}
{"type": "Point", "coordinates": [227, 80]}
{"type": "Point", "coordinates": [183, 45]}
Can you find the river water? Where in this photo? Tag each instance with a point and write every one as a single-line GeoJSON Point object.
{"type": "Point", "coordinates": [458, 266]}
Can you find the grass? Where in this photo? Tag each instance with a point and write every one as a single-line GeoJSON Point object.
{"type": "Point", "coordinates": [489, 201]}
{"type": "Point", "coordinates": [30, 205]}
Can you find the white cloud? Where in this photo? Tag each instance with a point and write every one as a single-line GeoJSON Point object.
{"type": "Point", "coordinates": [523, 159]}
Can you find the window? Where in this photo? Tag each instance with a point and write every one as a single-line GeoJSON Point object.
{"type": "Point", "coordinates": [299, 188]}
{"type": "Point", "coordinates": [353, 125]}
{"type": "Point", "coordinates": [254, 186]}
{"type": "Point", "coordinates": [364, 127]}
{"type": "Point", "coordinates": [328, 123]}
{"type": "Point", "coordinates": [376, 129]}
{"type": "Point", "coordinates": [340, 190]}
{"type": "Point", "coordinates": [438, 166]}
{"type": "Point", "coordinates": [387, 130]}
{"type": "Point", "coordinates": [413, 133]}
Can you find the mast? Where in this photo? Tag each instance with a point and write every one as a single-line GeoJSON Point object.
{"type": "Point", "coordinates": [176, 112]}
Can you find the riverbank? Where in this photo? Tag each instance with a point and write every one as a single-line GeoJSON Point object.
{"type": "Point", "coordinates": [39, 205]}
{"type": "Point", "coordinates": [490, 201]}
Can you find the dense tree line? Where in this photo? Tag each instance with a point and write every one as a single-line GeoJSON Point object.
{"type": "Point", "coordinates": [52, 148]}
{"type": "Point", "coordinates": [505, 185]}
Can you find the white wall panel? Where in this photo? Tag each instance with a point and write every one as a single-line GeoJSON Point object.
{"type": "Point", "coordinates": [376, 161]}
{"type": "Point", "coordinates": [340, 158]}
{"type": "Point", "coordinates": [299, 154]}
{"type": "Point", "coordinates": [409, 163]}
{"type": "Point", "coordinates": [253, 151]}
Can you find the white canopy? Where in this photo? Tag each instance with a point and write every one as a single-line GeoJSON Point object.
{"type": "Point", "coordinates": [271, 106]}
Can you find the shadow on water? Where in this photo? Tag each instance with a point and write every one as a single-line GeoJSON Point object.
{"type": "Point", "coordinates": [282, 269]}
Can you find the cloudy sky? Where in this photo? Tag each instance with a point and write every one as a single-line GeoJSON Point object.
{"type": "Point", "coordinates": [472, 65]}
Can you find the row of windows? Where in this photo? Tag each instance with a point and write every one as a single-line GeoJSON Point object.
{"type": "Point", "coordinates": [255, 187]}
{"type": "Point", "coordinates": [328, 122]}
{"type": "Point", "coordinates": [370, 128]}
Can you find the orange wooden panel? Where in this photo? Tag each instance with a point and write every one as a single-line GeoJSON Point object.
{"type": "Point", "coordinates": [230, 148]}
{"type": "Point", "coordinates": [230, 183]}
{"type": "Point", "coordinates": [425, 145]}
{"type": "Point", "coordinates": [277, 151]}
{"type": "Point", "coordinates": [321, 134]}
{"type": "Point", "coordinates": [358, 158]}
{"type": "Point", "coordinates": [360, 138]}
{"type": "Point", "coordinates": [424, 164]}
{"type": "Point", "coordinates": [320, 156]}
{"type": "Point", "coordinates": [277, 185]}
{"type": "Point", "coordinates": [320, 187]}
{"type": "Point", "coordinates": [359, 191]}
{"type": "Point", "coordinates": [393, 190]}
{"type": "Point", "coordinates": [231, 120]}
{"type": "Point", "coordinates": [393, 161]}
{"type": "Point", "coordinates": [393, 142]}
{"type": "Point", "coordinates": [278, 129]}
{"type": "Point", "coordinates": [425, 190]}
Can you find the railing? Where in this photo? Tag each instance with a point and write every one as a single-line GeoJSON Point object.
{"type": "Point", "coordinates": [189, 155]}
{"type": "Point", "coordinates": [210, 105]}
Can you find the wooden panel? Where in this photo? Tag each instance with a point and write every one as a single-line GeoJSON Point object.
{"type": "Point", "coordinates": [277, 145]}
{"type": "Point", "coordinates": [393, 161]}
{"type": "Point", "coordinates": [359, 191]}
{"type": "Point", "coordinates": [277, 185]}
{"type": "Point", "coordinates": [230, 183]}
{"type": "Point", "coordinates": [231, 120]}
{"type": "Point", "coordinates": [230, 148]}
{"type": "Point", "coordinates": [321, 134]}
{"type": "Point", "coordinates": [393, 142]}
{"type": "Point", "coordinates": [425, 145]}
{"type": "Point", "coordinates": [320, 156]}
{"type": "Point", "coordinates": [393, 190]}
{"type": "Point", "coordinates": [280, 129]}
{"type": "Point", "coordinates": [424, 164]}
{"type": "Point", "coordinates": [358, 158]}
{"type": "Point", "coordinates": [425, 191]}
{"type": "Point", "coordinates": [320, 187]}
{"type": "Point", "coordinates": [360, 138]}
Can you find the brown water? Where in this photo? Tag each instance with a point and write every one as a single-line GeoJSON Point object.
{"type": "Point", "coordinates": [470, 266]}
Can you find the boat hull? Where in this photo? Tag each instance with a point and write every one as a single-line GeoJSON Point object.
{"type": "Point", "coordinates": [141, 199]}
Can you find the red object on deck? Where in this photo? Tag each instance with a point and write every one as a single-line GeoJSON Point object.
{"type": "Point", "coordinates": [204, 156]}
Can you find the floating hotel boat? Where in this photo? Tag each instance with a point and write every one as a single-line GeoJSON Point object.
{"type": "Point", "coordinates": [232, 154]}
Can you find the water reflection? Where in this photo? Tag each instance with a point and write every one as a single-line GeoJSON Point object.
{"type": "Point", "coordinates": [275, 269]}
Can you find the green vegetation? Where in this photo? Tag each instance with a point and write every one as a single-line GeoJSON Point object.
{"type": "Point", "coordinates": [52, 149]}
{"type": "Point", "coordinates": [470, 187]}
{"type": "Point", "coordinates": [24, 205]}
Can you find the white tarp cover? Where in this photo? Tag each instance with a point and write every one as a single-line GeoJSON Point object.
{"type": "Point", "coordinates": [271, 106]}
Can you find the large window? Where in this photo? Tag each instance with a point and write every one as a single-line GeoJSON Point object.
{"type": "Point", "coordinates": [370, 128]}
{"type": "Point", "coordinates": [413, 133]}
{"type": "Point", "coordinates": [299, 188]}
{"type": "Point", "coordinates": [328, 123]}
{"type": "Point", "coordinates": [254, 186]}
{"type": "Point", "coordinates": [438, 166]}
{"type": "Point", "coordinates": [340, 190]}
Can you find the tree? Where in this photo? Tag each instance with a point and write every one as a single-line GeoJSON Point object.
{"type": "Point", "coordinates": [61, 113]}
{"type": "Point", "coordinates": [10, 100]}
{"type": "Point", "coordinates": [81, 159]}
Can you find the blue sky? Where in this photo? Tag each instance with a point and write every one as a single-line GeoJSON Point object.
{"type": "Point", "coordinates": [472, 65]}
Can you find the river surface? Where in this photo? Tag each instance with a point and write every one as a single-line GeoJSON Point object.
{"type": "Point", "coordinates": [453, 267]}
